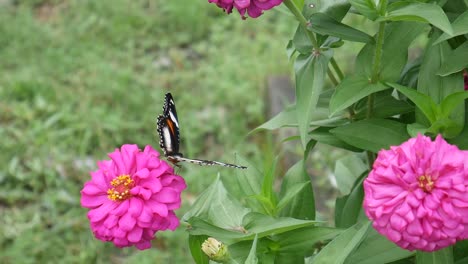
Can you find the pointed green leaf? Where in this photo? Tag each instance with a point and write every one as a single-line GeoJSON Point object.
{"type": "Point", "coordinates": [350, 206]}
{"type": "Point", "coordinates": [303, 239]}
{"type": "Point", "coordinates": [323, 135]}
{"type": "Point", "coordinates": [442, 256]}
{"type": "Point", "coordinates": [376, 248]}
{"type": "Point", "coordinates": [195, 243]}
{"type": "Point", "coordinates": [291, 193]}
{"type": "Point", "coordinates": [301, 41]}
{"type": "Point", "coordinates": [299, 3]}
{"type": "Point", "coordinates": [302, 205]}
{"type": "Point", "coordinates": [452, 101]}
{"type": "Point", "coordinates": [200, 227]}
{"type": "Point", "coordinates": [445, 126]}
{"type": "Point", "coordinates": [422, 101]}
{"type": "Point", "coordinates": [398, 37]}
{"type": "Point", "coordinates": [460, 27]}
{"type": "Point", "coordinates": [438, 87]}
{"type": "Point", "coordinates": [415, 129]}
{"type": "Point", "coordinates": [351, 90]}
{"type": "Point", "coordinates": [366, 7]}
{"type": "Point", "coordinates": [456, 61]}
{"type": "Point", "coordinates": [334, 8]}
{"type": "Point", "coordinates": [218, 207]}
{"type": "Point", "coordinates": [286, 118]}
{"type": "Point", "coordinates": [372, 134]}
{"type": "Point", "coordinates": [419, 12]}
{"type": "Point", "coordinates": [310, 78]}
{"type": "Point", "coordinates": [339, 248]}
{"type": "Point", "coordinates": [264, 225]}
{"type": "Point", "coordinates": [462, 139]}
{"type": "Point", "coordinates": [347, 171]}
{"type": "Point", "coordinates": [252, 257]}
{"type": "Point", "coordinates": [385, 105]}
{"type": "Point", "coordinates": [267, 185]}
{"type": "Point", "coordinates": [324, 24]}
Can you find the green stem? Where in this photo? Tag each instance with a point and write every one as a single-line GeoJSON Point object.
{"type": "Point", "coordinates": [337, 68]}
{"type": "Point", "coordinates": [332, 77]}
{"type": "Point", "coordinates": [376, 67]}
{"type": "Point", "coordinates": [302, 20]}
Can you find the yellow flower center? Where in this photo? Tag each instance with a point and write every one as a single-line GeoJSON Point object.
{"type": "Point", "coordinates": [122, 186]}
{"type": "Point", "coordinates": [426, 183]}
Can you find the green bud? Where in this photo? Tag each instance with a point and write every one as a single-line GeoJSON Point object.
{"type": "Point", "coordinates": [216, 250]}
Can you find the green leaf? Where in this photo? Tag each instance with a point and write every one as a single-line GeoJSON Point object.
{"type": "Point", "coordinates": [415, 129]}
{"type": "Point", "coordinates": [200, 227]}
{"type": "Point", "coordinates": [366, 7]}
{"type": "Point", "coordinates": [422, 101]}
{"type": "Point", "coordinates": [263, 225]}
{"type": "Point", "coordinates": [462, 139]}
{"type": "Point", "coordinates": [351, 90]}
{"type": "Point", "coordinates": [334, 8]}
{"type": "Point", "coordinates": [456, 61]}
{"type": "Point", "coordinates": [385, 105]}
{"type": "Point", "coordinates": [438, 87]}
{"type": "Point", "coordinates": [398, 37]}
{"type": "Point", "coordinates": [339, 248]}
{"type": "Point", "coordinates": [290, 49]}
{"type": "Point", "coordinates": [301, 41]}
{"type": "Point", "coordinates": [324, 24]}
{"type": "Point", "coordinates": [195, 243]}
{"type": "Point", "coordinates": [442, 256]}
{"type": "Point", "coordinates": [348, 207]}
{"type": "Point", "coordinates": [452, 101]}
{"type": "Point", "coordinates": [217, 207]}
{"type": "Point", "coordinates": [286, 118]}
{"type": "Point", "coordinates": [252, 257]}
{"type": "Point", "coordinates": [302, 205]}
{"type": "Point", "coordinates": [376, 248]}
{"type": "Point", "coordinates": [291, 194]}
{"type": "Point", "coordinates": [303, 239]}
{"type": "Point", "coordinates": [347, 171]}
{"type": "Point", "coordinates": [445, 126]}
{"type": "Point", "coordinates": [310, 79]}
{"type": "Point", "coordinates": [267, 185]}
{"type": "Point", "coordinates": [419, 12]}
{"type": "Point", "coordinates": [323, 135]}
{"type": "Point", "coordinates": [299, 3]}
{"type": "Point", "coordinates": [460, 27]}
{"type": "Point", "coordinates": [240, 250]}
{"type": "Point", "coordinates": [372, 134]}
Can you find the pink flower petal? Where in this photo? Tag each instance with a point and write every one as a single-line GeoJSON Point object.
{"type": "Point", "coordinates": [416, 194]}
{"type": "Point", "coordinates": [145, 191]}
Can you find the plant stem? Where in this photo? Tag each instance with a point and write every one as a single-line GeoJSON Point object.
{"type": "Point", "coordinates": [304, 23]}
{"type": "Point", "coordinates": [302, 20]}
{"type": "Point", "coordinates": [376, 67]}
{"type": "Point", "coordinates": [337, 69]}
{"type": "Point", "coordinates": [332, 77]}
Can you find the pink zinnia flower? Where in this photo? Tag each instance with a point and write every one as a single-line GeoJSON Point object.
{"type": "Point", "coordinates": [254, 8]}
{"type": "Point", "coordinates": [416, 194]}
{"type": "Point", "coordinates": [132, 196]}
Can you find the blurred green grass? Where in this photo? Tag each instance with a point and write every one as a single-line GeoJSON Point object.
{"type": "Point", "coordinates": [79, 78]}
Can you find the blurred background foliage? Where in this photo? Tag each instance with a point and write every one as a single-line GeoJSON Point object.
{"type": "Point", "coordinates": [79, 78]}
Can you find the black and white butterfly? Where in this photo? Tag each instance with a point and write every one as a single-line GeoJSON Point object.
{"type": "Point", "coordinates": [169, 137]}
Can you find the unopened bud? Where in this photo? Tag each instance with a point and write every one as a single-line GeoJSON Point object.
{"type": "Point", "coordinates": [216, 250]}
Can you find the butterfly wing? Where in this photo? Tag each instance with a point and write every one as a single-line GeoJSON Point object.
{"type": "Point", "coordinates": [169, 137]}
{"type": "Point", "coordinates": [168, 128]}
{"type": "Point", "coordinates": [208, 162]}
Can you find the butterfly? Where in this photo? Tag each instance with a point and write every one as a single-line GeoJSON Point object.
{"type": "Point", "coordinates": [169, 137]}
